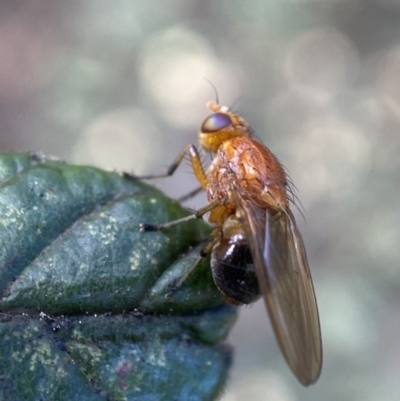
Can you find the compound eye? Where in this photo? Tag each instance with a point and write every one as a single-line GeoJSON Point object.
{"type": "Point", "coordinates": [215, 122]}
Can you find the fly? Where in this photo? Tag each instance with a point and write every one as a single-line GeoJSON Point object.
{"type": "Point", "coordinates": [256, 247]}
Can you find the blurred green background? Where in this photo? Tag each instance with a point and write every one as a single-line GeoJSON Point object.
{"type": "Point", "coordinates": [120, 84]}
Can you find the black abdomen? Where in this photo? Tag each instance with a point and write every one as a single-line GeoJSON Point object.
{"type": "Point", "coordinates": [233, 271]}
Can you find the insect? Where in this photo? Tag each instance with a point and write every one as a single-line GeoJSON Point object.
{"type": "Point", "coordinates": [256, 247]}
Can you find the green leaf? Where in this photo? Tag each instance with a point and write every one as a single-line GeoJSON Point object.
{"type": "Point", "coordinates": [83, 308]}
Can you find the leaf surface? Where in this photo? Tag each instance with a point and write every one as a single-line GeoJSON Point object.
{"type": "Point", "coordinates": [83, 308]}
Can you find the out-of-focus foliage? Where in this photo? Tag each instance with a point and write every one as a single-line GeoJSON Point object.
{"type": "Point", "coordinates": [83, 308]}
{"type": "Point", "coordinates": [120, 85]}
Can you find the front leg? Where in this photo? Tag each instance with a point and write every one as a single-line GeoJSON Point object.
{"type": "Point", "coordinates": [196, 166]}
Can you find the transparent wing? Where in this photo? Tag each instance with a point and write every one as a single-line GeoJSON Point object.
{"type": "Point", "coordinates": [284, 278]}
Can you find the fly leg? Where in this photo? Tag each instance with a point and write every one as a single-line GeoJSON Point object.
{"type": "Point", "coordinates": [202, 179]}
{"type": "Point", "coordinates": [194, 159]}
{"type": "Point", "coordinates": [200, 213]}
{"type": "Point", "coordinates": [190, 195]}
{"type": "Point", "coordinates": [203, 253]}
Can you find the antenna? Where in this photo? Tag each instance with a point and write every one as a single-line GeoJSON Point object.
{"type": "Point", "coordinates": [215, 90]}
